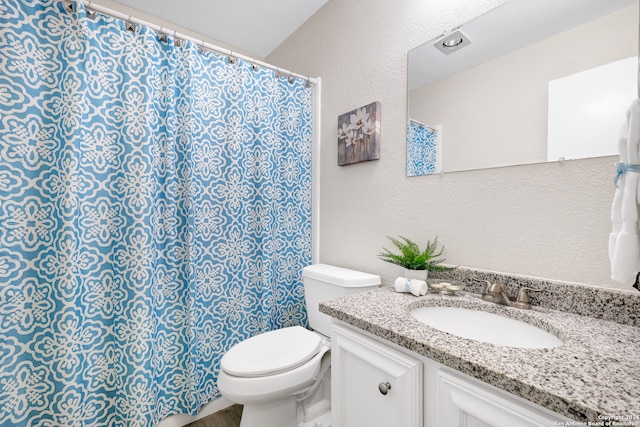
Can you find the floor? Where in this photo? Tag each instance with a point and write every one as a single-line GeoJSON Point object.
{"type": "Point", "coordinates": [229, 417]}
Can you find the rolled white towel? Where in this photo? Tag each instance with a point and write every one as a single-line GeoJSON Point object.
{"type": "Point", "coordinates": [626, 253]}
{"type": "Point", "coordinates": [624, 240]}
{"type": "Point", "coordinates": [413, 286]}
{"type": "Point", "coordinates": [616, 207]}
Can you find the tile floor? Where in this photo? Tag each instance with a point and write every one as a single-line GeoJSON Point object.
{"type": "Point", "coordinates": [229, 417]}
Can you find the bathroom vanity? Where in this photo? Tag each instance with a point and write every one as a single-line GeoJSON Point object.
{"type": "Point", "coordinates": [389, 368]}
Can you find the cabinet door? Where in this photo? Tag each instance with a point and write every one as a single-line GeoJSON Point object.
{"type": "Point", "coordinates": [464, 402]}
{"type": "Point", "coordinates": [372, 384]}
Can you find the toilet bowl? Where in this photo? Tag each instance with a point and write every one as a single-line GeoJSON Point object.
{"type": "Point", "coordinates": [270, 374]}
{"type": "Point", "coordinates": [282, 377]}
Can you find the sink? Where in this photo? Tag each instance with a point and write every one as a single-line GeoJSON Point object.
{"type": "Point", "coordinates": [486, 327]}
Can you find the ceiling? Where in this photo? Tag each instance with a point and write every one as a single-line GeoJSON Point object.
{"type": "Point", "coordinates": [256, 27]}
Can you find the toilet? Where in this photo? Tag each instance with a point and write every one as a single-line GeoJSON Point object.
{"type": "Point", "coordinates": [282, 377]}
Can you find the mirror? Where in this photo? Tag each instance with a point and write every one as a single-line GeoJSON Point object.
{"type": "Point", "coordinates": [529, 81]}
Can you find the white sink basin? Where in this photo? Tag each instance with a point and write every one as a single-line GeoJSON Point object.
{"type": "Point", "coordinates": [486, 327]}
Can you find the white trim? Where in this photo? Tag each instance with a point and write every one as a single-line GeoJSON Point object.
{"type": "Point", "coordinates": [315, 175]}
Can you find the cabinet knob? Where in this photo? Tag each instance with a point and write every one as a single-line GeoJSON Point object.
{"type": "Point", "coordinates": [384, 388]}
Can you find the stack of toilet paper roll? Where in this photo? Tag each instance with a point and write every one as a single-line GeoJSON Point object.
{"type": "Point", "coordinates": [413, 286]}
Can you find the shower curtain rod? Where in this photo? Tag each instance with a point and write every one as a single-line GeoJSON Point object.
{"type": "Point", "coordinates": [208, 46]}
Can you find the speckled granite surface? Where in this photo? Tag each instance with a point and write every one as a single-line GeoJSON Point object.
{"type": "Point", "coordinates": [608, 304]}
{"type": "Point", "coordinates": [595, 373]}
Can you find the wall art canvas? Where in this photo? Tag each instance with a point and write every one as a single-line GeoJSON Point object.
{"type": "Point", "coordinates": [359, 135]}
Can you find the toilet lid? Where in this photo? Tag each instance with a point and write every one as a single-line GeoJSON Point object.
{"type": "Point", "coordinates": [271, 353]}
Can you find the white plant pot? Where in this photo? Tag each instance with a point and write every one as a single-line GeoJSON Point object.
{"type": "Point", "coordinates": [416, 274]}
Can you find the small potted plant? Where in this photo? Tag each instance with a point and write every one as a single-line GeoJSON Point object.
{"type": "Point", "coordinates": [416, 262]}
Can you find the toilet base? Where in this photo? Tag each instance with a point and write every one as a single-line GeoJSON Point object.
{"type": "Point", "coordinates": [313, 411]}
{"type": "Point", "coordinates": [324, 421]}
{"type": "Point", "coordinates": [280, 413]}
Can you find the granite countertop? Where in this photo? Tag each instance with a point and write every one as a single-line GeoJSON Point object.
{"type": "Point", "coordinates": [595, 374]}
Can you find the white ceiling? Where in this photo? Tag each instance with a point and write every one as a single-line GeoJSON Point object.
{"type": "Point", "coordinates": [256, 27]}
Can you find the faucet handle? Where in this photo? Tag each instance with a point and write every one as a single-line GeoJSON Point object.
{"type": "Point", "coordinates": [522, 299]}
{"type": "Point", "coordinates": [492, 288]}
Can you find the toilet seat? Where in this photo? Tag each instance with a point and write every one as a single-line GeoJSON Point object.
{"type": "Point", "coordinates": [279, 351]}
{"type": "Point", "coordinates": [272, 387]}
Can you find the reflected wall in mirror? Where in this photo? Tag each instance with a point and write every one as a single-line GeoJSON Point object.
{"type": "Point", "coordinates": [534, 76]}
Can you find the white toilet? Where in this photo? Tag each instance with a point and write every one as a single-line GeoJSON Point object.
{"type": "Point", "coordinates": [282, 377]}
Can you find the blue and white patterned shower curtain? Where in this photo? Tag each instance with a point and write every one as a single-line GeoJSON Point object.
{"type": "Point", "coordinates": [423, 149]}
{"type": "Point", "coordinates": [154, 211]}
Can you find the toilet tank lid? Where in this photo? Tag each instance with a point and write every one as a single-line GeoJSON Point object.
{"type": "Point", "coordinates": [340, 276]}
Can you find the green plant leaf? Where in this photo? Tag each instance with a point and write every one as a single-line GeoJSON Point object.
{"type": "Point", "coordinates": [412, 257]}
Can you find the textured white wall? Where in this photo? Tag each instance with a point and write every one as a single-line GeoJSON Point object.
{"type": "Point", "coordinates": [544, 220]}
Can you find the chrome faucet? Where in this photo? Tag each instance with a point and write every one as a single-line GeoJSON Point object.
{"type": "Point", "coordinates": [494, 292]}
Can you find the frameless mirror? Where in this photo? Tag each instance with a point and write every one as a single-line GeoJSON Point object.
{"type": "Point", "coordinates": [529, 81]}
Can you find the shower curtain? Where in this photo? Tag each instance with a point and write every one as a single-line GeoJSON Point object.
{"type": "Point", "coordinates": [423, 149]}
{"type": "Point", "coordinates": [154, 211]}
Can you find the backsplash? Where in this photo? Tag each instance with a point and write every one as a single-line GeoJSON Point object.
{"type": "Point", "coordinates": [601, 303]}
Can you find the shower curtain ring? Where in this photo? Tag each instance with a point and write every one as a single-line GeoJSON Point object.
{"type": "Point", "coordinates": [130, 26]}
{"type": "Point", "coordinates": [162, 36]}
{"type": "Point", "coordinates": [68, 6]}
{"type": "Point", "coordinates": [91, 14]}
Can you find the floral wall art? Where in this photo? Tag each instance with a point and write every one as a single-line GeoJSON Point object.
{"type": "Point", "coordinates": [359, 135]}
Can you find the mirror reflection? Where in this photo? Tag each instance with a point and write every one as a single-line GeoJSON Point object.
{"type": "Point", "coordinates": [529, 81]}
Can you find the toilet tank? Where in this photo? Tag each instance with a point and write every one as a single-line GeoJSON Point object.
{"type": "Point", "coordinates": [324, 282]}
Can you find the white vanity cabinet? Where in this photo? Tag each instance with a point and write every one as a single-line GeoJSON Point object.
{"type": "Point", "coordinates": [423, 393]}
{"type": "Point", "coordinates": [372, 384]}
